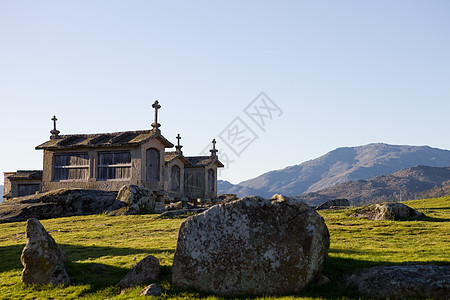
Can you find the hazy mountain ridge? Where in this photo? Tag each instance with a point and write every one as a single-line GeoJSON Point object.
{"type": "Point", "coordinates": [1, 193]}
{"type": "Point", "coordinates": [405, 184]}
{"type": "Point", "coordinates": [338, 166]}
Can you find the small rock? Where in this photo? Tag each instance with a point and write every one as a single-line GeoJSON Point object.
{"type": "Point", "coordinates": [405, 281]}
{"type": "Point", "coordinates": [42, 259]}
{"type": "Point", "coordinates": [334, 203]}
{"type": "Point", "coordinates": [387, 211]}
{"type": "Point", "coordinates": [153, 289]}
{"type": "Point", "coordinates": [143, 272]}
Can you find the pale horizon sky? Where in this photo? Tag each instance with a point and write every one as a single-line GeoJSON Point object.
{"type": "Point", "coordinates": [337, 74]}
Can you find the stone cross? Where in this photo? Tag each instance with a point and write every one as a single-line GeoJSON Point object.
{"type": "Point", "coordinates": [54, 119]}
{"type": "Point", "coordinates": [214, 150]}
{"type": "Point", "coordinates": [178, 146]}
{"type": "Point", "coordinates": [54, 132]}
{"type": "Point", "coordinates": [156, 106]}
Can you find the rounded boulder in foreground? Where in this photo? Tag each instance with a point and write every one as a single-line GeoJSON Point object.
{"type": "Point", "coordinates": [251, 246]}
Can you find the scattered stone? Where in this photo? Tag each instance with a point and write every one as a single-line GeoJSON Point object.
{"type": "Point", "coordinates": [387, 211]}
{"type": "Point", "coordinates": [405, 281]}
{"type": "Point", "coordinates": [180, 205]}
{"type": "Point", "coordinates": [251, 246]}
{"type": "Point", "coordinates": [57, 203]}
{"type": "Point", "coordinates": [224, 198]}
{"type": "Point", "coordinates": [145, 271]}
{"type": "Point", "coordinates": [153, 289]}
{"type": "Point", "coordinates": [42, 259]}
{"type": "Point", "coordinates": [132, 200]}
{"type": "Point", "coordinates": [334, 203]}
{"type": "Point", "coordinates": [180, 212]}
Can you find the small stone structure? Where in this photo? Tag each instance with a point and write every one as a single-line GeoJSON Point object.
{"type": "Point", "coordinates": [42, 259]}
{"type": "Point", "coordinates": [108, 161]}
{"type": "Point", "coordinates": [251, 246]}
{"type": "Point", "coordinates": [405, 281]}
{"type": "Point", "coordinates": [387, 211]}
{"type": "Point", "coordinates": [22, 183]}
{"type": "Point", "coordinates": [144, 272]}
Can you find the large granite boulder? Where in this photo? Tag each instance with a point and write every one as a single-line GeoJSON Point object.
{"type": "Point", "coordinates": [251, 246]}
{"type": "Point", "coordinates": [387, 211]}
{"type": "Point", "coordinates": [405, 281]}
{"type": "Point", "coordinates": [133, 199]}
{"type": "Point", "coordinates": [57, 203]}
{"type": "Point", "coordinates": [144, 272]}
{"type": "Point", "coordinates": [42, 259]}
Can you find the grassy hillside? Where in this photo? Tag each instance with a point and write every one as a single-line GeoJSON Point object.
{"type": "Point", "coordinates": [102, 249]}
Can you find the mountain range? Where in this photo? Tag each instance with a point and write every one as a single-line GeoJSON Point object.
{"type": "Point", "coordinates": [406, 184]}
{"type": "Point", "coordinates": [338, 166]}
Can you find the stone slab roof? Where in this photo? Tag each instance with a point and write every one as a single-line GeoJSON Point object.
{"type": "Point", "coordinates": [171, 156]}
{"type": "Point", "coordinates": [115, 139]}
{"type": "Point", "coordinates": [202, 161]}
{"type": "Point", "coordinates": [26, 174]}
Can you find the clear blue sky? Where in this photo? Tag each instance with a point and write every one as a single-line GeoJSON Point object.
{"type": "Point", "coordinates": [343, 73]}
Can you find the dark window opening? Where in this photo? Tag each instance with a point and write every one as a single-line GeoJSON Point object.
{"type": "Point", "coordinates": [114, 165]}
{"type": "Point", "coordinates": [70, 166]}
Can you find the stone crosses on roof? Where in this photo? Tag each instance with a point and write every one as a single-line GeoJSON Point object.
{"type": "Point", "coordinates": [178, 146]}
{"type": "Point", "coordinates": [214, 150]}
{"type": "Point", "coordinates": [54, 132]}
{"type": "Point", "coordinates": [156, 106]}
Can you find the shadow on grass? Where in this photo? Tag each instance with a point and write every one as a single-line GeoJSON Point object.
{"type": "Point", "coordinates": [76, 252]}
{"type": "Point", "coordinates": [10, 257]}
{"type": "Point", "coordinates": [431, 219]}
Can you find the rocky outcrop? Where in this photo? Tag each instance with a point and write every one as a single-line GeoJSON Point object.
{"type": "Point", "coordinates": [57, 203]}
{"type": "Point", "coordinates": [42, 259]}
{"type": "Point", "coordinates": [133, 200]}
{"type": "Point", "coordinates": [333, 204]}
{"type": "Point", "coordinates": [251, 246]}
{"type": "Point", "coordinates": [406, 281]}
{"type": "Point", "coordinates": [146, 271]}
{"type": "Point", "coordinates": [387, 211]}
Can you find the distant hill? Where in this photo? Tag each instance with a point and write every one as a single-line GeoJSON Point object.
{"type": "Point", "coordinates": [406, 184]}
{"type": "Point", "coordinates": [338, 166]}
{"type": "Point", "coordinates": [1, 193]}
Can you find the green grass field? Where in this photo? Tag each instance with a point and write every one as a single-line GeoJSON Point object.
{"type": "Point", "coordinates": [102, 249]}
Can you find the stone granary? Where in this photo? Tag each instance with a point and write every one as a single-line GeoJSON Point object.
{"type": "Point", "coordinates": [108, 161]}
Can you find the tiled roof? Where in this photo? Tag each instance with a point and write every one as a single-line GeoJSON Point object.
{"type": "Point", "coordinates": [115, 139]}
{"type": "Point", "coordinates": [200, 161]}
{"type": "Point", "coordinates": [28, 174]}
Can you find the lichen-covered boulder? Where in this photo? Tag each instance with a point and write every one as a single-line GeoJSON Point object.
{"type": "Point", "coordinates": [133, 199]}
{"type": "Point", "coordinates": [251, 246]}
{"type": "Point", "coordinates": [405, 281]}
{"type": "Point", "coordinates": [144, 272]}
{"type": "Point", "coordinates": [387, 211]}
{"type": "Point", "coordinates": [42, 259]}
